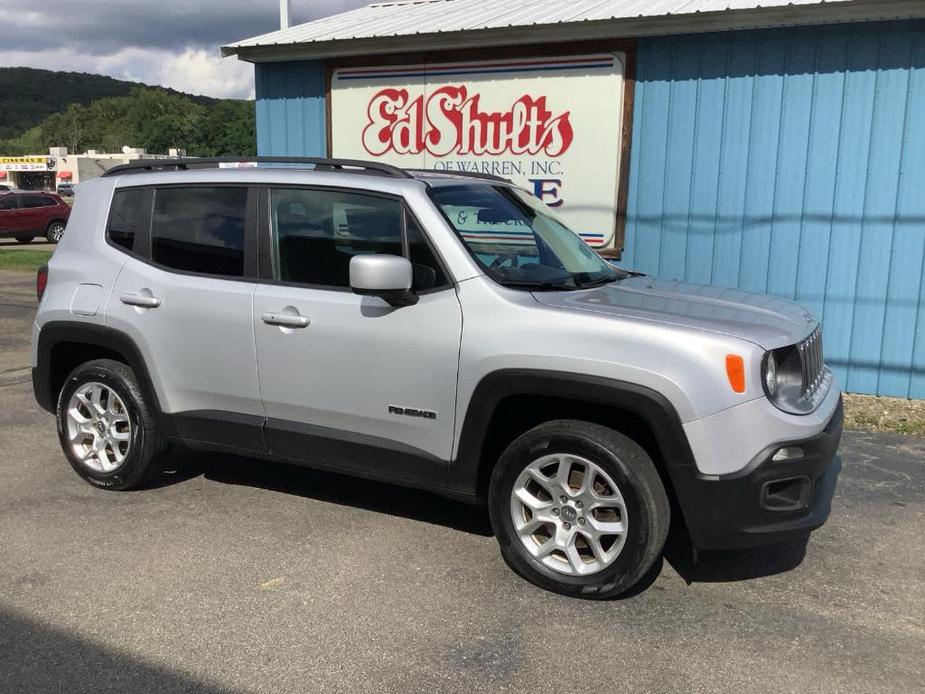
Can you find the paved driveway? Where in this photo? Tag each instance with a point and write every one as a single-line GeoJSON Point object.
{"type": "Point", "coordinates": [242, 576]}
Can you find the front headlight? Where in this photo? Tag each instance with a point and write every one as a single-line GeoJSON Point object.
{"type": "Point", "coordinates": [782, 374]}
{"type": "Point", "coordinates": [770, 375]}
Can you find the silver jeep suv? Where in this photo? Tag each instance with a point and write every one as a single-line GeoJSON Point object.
{"type": "Point", "coordinates": [441, 331]}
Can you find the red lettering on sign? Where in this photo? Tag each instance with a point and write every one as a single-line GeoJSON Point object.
{"type": "Point", "coordinates": [451, 122]}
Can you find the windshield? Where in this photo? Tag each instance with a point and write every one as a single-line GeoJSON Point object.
{"type": "Point", "coordinates": [518, 241]}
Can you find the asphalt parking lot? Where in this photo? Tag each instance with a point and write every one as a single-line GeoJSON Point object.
{"type": "Point", "coordinates": [242, 576]}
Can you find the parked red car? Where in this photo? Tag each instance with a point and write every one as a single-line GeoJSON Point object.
{"type": "Point", "coordinates": [26, 214]}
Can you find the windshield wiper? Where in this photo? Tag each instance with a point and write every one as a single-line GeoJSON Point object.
{"type": "Point", "coordinates": [597, 282]}
{"type": "Point", "coordinates": [542, 286]}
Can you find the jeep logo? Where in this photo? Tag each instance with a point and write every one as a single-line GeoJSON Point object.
{"type": "Point", "coordinates": [412, 412]}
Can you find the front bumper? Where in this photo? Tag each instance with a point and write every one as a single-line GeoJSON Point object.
{"type": "Point", "coordinates": [768, 500]}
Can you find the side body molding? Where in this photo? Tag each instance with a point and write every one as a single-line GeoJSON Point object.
{"type": "Point", "coordinates": [463, 478]}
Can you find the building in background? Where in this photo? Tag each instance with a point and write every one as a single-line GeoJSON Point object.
{"type": "Point", "coordinates": [50, 171]}
{"type": "Point", "coordinates": [774, 146]}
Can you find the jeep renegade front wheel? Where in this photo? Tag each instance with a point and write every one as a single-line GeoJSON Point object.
{"type": "Point", "coordinates": [105, 426]}
{"type": "Point", "coordinates": [578, 509]}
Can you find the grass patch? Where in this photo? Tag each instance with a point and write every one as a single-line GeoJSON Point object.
{"type": "Point", "coordinates": [873, 413]}
{"type": "Point", "coordinates": [23, 261]}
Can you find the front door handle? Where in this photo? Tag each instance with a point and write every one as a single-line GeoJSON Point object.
{"type": "Point", "coordinates": [285, 320]}
{"type": "Point", "coordinates": [140, 300]}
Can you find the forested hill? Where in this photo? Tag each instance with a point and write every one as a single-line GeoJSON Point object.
{"type": "Point", "coordinates": [28, 96]}
{"type": "Point", "coordinates": [41, 109]}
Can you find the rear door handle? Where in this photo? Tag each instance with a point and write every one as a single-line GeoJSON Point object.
{"type": "Point", "coordinates": [285, 320]}
{"type": "Point", "coordinates": [140, 300]}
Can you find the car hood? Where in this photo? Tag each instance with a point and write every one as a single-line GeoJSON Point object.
{"type": "Point", "coordinates": [764, 320]}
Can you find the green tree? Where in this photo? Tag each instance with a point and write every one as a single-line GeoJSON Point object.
{"type": "Point", "coordinates": [152, 118]}
{"type": "Point", "coordinates": [30, 142]}
{"type": "Point", "coordinates": [70, 128]}
{"type": "Point", "coordinates": [228, 128]}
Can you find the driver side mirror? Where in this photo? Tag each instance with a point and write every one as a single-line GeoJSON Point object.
{"type": "Point", "coordinates": [387, 276]}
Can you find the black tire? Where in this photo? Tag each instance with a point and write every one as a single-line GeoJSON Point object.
{"type": "Point", "coordinates": [24, 239]}
{"type": "Point", "coordinates": [647, 506]}
{"type": "Point", "coordinates": [55, 231]}
{"type": "Point", "coordinates": [146, 443]}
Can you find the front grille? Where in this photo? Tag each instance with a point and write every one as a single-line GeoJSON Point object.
{"type": "Point", "coordinates": [813, 364]}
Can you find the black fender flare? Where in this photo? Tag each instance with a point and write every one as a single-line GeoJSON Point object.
{"type": "Point", "coordinates": [55, 333]}
{"type": "Point", "coordinates": [467, 469]}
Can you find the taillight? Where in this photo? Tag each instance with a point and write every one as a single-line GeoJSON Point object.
{"type": "Point", "coordinates": [41, 281]}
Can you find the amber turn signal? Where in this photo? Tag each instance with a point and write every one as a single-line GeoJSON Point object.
{"type": "Point", "coordinates": [735, 370]}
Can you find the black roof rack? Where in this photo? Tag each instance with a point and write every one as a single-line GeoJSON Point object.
{"type": "Point", "coordinates": [149, 165]}
{"type": "Point", "coordinates": [462, 174]}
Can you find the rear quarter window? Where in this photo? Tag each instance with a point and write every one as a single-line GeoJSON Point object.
{"type": "Point", "coordinates": [129, 212]}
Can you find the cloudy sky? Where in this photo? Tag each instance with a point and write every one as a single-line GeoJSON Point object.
{"type": "Point", "coordinates": [174, 43]}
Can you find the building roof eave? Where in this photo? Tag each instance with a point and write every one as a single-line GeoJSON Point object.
{"type": "Point", "coordinates": [753, 18]}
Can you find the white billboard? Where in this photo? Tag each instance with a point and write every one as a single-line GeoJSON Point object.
{"type": "Point", "coordinates": [550, 125]}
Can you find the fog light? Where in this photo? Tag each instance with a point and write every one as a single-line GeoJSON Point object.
{"type": "Point", "coordinates": [789, 453]}
{"type": "Point", "coordinates": [790, 494]}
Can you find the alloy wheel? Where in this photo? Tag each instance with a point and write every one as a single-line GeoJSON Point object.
{"type": "Point", "coordinates": [98, 427]}
{"type": "Point", "coordinates": [55, 232]}
{"type": "Point", "coordinates": [569, 514]}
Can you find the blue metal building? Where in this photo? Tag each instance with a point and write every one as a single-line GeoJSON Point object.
{"type": "Point", "coordinates": [777, 149]}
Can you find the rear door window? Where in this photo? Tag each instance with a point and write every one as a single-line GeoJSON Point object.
{"type": "Point", "coordinates": [130, 210]}
{"type": "Point", "coordinates": [200, 229]}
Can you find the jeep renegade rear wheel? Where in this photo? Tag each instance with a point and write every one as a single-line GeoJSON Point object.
{"type": "Point", "coordinates": [578, 509]}
{"type": "Point", "coordinates": [105, 426]}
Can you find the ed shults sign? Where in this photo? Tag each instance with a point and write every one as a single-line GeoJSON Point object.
{"type": "Point", "coordinates": [551, 126]}
{"type": "Point", "coordinates": [450, 121]}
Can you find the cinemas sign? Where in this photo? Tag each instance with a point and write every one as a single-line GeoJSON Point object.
{"type": "Point", "coordinates": [26, 163]}
{"type": "Point", "coordinates": [551, 126]}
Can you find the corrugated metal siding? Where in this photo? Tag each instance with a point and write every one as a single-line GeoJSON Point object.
{"type": "Point", "coordinates": [793, 162]}
{"type": "Point", "coordinates": [435, 16]}
{"type": "Point", "coordinates": [290, 109]}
